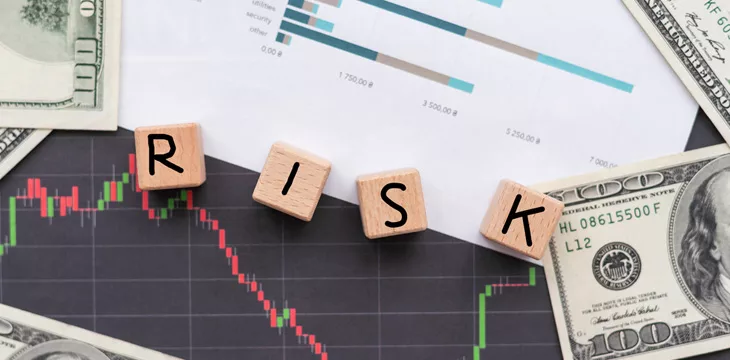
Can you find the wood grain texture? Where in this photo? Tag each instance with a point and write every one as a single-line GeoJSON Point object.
{"type": "Point", "coordinates": [304, 189]}
{"type": "Point", "coordinates": [375, 212]}
{"type": "Point", "coordinates": [542, 225]}
{"type": "Point", "coordinates": [188, 155]}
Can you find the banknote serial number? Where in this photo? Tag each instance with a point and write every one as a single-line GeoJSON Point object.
{"type": "Point", "coordinates": [618, 216]}
{"type": "Point", "coordinates": [354, 79]}
{"type": "Point", "coordinates": [439, 108]}
{"type": "Point", "coordinates": [532, 139]}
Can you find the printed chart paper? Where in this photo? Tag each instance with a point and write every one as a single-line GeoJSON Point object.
{"type": "Point", "coordinates": [469, 92]}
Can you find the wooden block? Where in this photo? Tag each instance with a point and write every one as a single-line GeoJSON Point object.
{"type": "Point", "coordinates": [169, 156]}
{"type": "Point", "coordinates": [292, 181]}
{"type": "Point", "coordinates": [391, 203]}
{"type": "Point", "coordinates": [521, 218]}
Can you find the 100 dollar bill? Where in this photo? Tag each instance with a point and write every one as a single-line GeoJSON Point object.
{"type": "Point", "coordinates": [26, 336]}
{"type": "Point", "coordinates": [639, 265]}
{"type": "Point", "coordinates": [59, 63]}
{"type": "Point", "coordinates": [694, 37]}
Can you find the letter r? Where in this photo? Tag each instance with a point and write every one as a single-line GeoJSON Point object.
{"type": "Point", "coordinates": [162, 158]}
{"type": "Point", "coordinates": [513, 214]}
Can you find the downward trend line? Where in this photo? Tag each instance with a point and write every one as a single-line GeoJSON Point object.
{"type": "Point", "coordinates": [113, 192]}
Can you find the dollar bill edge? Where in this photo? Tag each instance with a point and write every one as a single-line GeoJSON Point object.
{"type": "Point", "coordinates": [633, 168]}
{"type": "Point", "coordinates": [674, 57]}
{"type": "Point", "coordinates": [76, 333]}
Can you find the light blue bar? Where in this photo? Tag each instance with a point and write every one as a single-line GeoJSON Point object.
{"type": "Point", "coordinates": [497, 3]}
{"type": "Point", "coordinates": [315, 8]}
{"type": "Point", "coordinates": [461, 85]}
{"type": "Point", "coordinates": [324, 25]}
{"type": "Point", "coordinates": [583, 72]}
{"type": "Point", "coordinates": [339, 4]}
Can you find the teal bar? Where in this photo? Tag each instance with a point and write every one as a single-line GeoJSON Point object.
{"type": "Point", "coordinates": [324, 25]}
{"type": "Point", "coordinates": [461, 85]}
{"type": "Point", "coordinates": [329, 40]}
{"type": "Point", "coordinates": [583, 72]}
{"type": "Point", "coordinates": [296, 16]}
{"type": "Point", "coordinates": [100, 204]}
{"type": "Point", "coordinates": [280, 37]}
{"type": "Point", "coordinates": [296, 3]}
{"type": "Point", "coordinates": [125, 178]}
{"type": "Point", "coordinates": [497, 3]}
{"type": "Point", "coordinates": [418, 16]}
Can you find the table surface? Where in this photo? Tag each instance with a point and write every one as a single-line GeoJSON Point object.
{"type": "Point", "coordinates": [165, 284]}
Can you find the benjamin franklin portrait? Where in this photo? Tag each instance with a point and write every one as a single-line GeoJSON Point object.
{"type": "Point", "coordinates": [703, 256]}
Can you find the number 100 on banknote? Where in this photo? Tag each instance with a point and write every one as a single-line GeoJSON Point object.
{"type": "Point", "coordinates": [59, 63]}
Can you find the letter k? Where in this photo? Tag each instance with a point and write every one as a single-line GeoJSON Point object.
{"type": "Point", "coordinates": [513, 214]}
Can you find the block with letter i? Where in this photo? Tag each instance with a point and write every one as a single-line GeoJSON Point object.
{"type": "Point", "coordinates": [169, 156]}
{"type": "Point", "coordinates": [292, 181]}
{"type": "Point", "coordinates": [391, 203]}
{"type": "Point", "coordinates": [521, 218]}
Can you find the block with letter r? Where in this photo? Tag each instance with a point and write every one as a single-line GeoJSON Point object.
{"type": "Point", "coordinates": [521, 218]}
{"type": "Point", "coordinates": [169, 156]}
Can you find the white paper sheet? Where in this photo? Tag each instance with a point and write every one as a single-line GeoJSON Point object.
{"type": "Point", "coordinates": [202, 61]}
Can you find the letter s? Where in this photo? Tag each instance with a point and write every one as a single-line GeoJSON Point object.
{"type": "Point", "coordinates": [391, 203]}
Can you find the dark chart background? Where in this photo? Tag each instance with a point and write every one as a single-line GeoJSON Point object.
{"type": "Point", "coordinates": [166, 285]}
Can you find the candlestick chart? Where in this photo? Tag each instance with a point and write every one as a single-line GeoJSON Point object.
{"type": "Point", "coordinates": [208, 274]}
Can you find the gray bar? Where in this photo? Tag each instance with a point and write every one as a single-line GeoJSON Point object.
{"type": "Point", "coordinates": [335, 3]}
{"type": "Point", "coordinates": [413, 69]}
{"type": "Point", "coordinates": [308, 6]}
{"type": "Point", "coordinates": [501, 44]}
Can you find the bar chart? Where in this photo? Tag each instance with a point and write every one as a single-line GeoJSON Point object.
{"type": "Point", "coordinates": [327, 26]}
{"type": "Point", "coordinates": [211, 294]}
{"type": "Point", "coordinates": [441, 24]}
{"type": "Point", "coordinates": [501, 44]}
